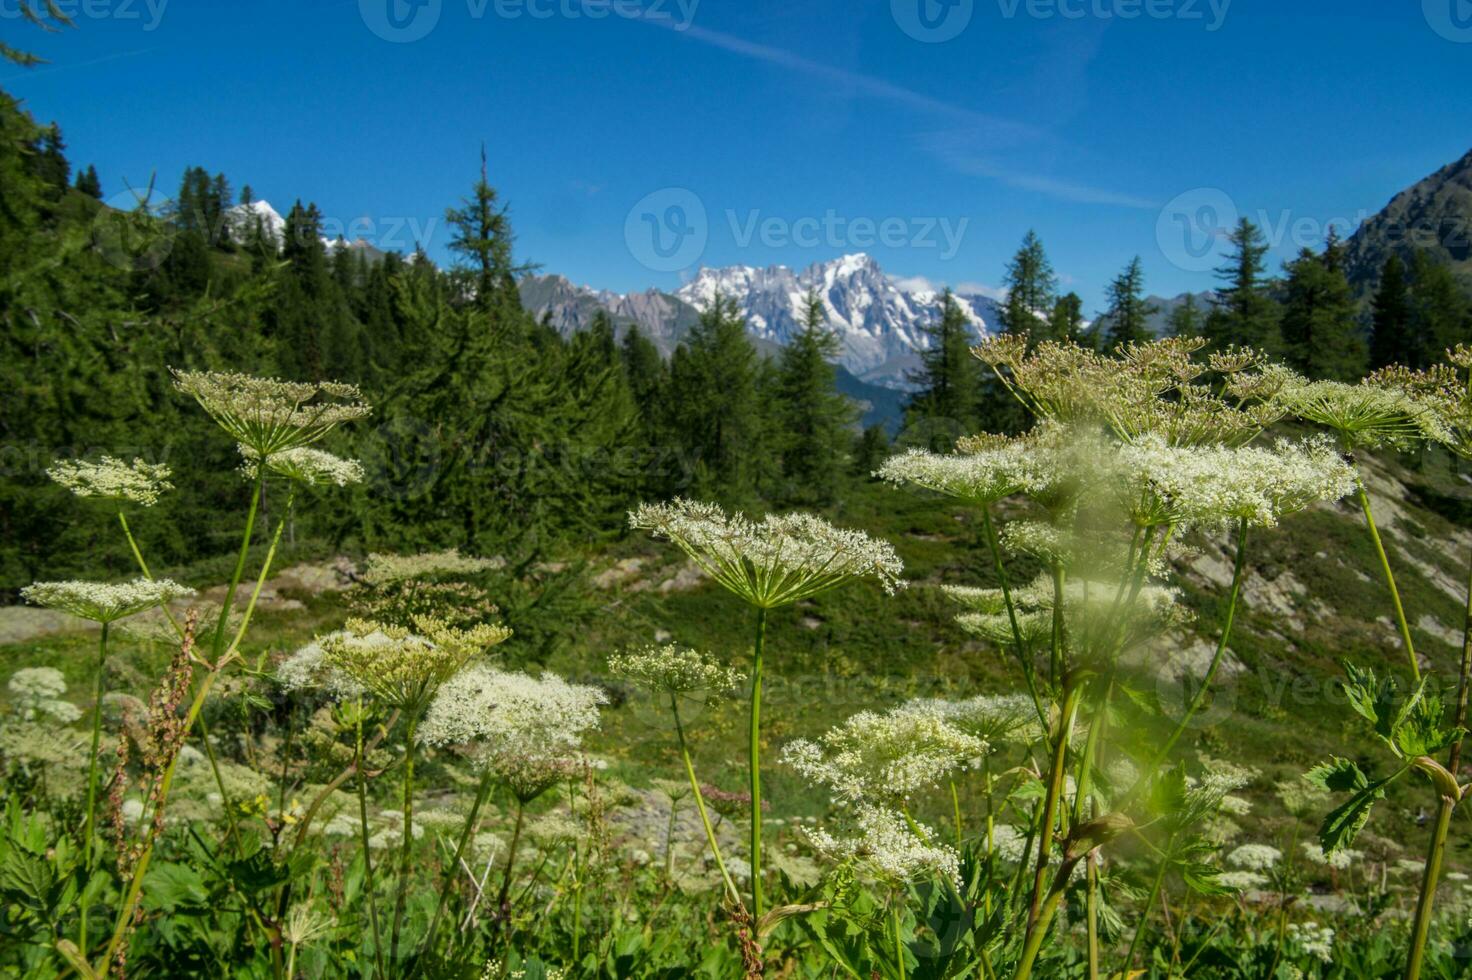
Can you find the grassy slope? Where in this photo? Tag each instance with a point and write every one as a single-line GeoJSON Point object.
{"type": "Point", "coordinates": [857, 648]}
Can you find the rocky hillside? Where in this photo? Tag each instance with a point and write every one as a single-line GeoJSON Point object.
{"type": "Point", "coordinates": [1434, 216]}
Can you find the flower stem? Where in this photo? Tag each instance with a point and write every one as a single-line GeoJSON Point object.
{"type": "Point", "coordinates": [368, 886]}
{"type": "Point", "coordinates": [465, 834]}
{"type": "Point", "coordinates": [754, 764]}
{"type": "Point", "coordinates": [217, 642]}
{"type": "Point", "coordinates": [406, 845]}
{"type": "Point", "coordinates": [1051, 801]}
{"type": "Point", "coordinates": [503, 905]}
{"type": "Point", "coordinates": [98, 688]}
{"type": "Point", "coordinates": [1400, 613]}
{"type": "Point", "coordinates": [710, 832]}
{"type": "Point", "coordinates": [956, 812]}
{"type": "Point", "coordinates": [1022, 658]}
{"type": "Point", "coordinates": [1432, 875]}
{"type": "Point", "coordinates": [899, 946]}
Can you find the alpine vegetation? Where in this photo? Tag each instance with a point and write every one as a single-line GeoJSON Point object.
{"type": "Point", "coordinates": [409, 770]}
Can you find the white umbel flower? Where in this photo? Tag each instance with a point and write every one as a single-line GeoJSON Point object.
{"type": "Point", "coordinates": [885, 757]}
{"type": "Point", "coordinates": [773, 562]}
{"type": "Point", "coordinates": [102, 602]}
{"type": "Point", "coordinates": [672, 669]}
{"type": "Point", "coordinates": [527, 730]}
{"type": "Point", "coordinates": [305, 465]}
{"type": "Point", "coordinates": [387, 569]}
{"type": "Point", "coordinates": [887, 846]}
{"type": "Point", "coordinates": [270, 415]}
{"type": "Point", "coordinates": [36, 691]}
{"type": "Point", "coordinates": [1254, 857]}
{"type": "Point", "coordinates": [1364, 415]}
{"type": "Point", "coordinates": [405, 669]}
{"type": "Point", "coordinates": [112, 479]}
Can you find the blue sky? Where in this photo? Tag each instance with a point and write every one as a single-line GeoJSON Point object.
{"type": "Point", "coordinates": [801, 129]}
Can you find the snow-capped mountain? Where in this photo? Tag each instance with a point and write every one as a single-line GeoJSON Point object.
{"type": "Point", "coordinates": [879, 323]}
{"type": "Point", "coordinates": [239, 220]}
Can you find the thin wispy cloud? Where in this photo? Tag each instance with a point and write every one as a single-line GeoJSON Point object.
{"type": "Point", "coordinates": [50, 68]}
{"type": "Point", "coordinates": [974, 126]}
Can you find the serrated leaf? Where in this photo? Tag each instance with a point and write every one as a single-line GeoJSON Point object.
{"type": "Point", "coordinates": [1344, 822]}
{"type": "Point", "coordinates": [1338, 775]}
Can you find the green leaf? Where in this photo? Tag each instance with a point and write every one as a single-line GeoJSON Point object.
{"type": "Point", "coordinates": [1338, 775]}
{"type": "Point", "coordinates": [1344, 823]}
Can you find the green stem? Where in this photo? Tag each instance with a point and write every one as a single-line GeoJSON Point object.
{"type": "Point", "coordinates": [899, 946]}
{"type": "Point", "coordinates": [99, 686]}
{"type": "Point", "coordinates": [406, 846]}
{"type": "Point", "coordinates": [1400, 613]}
{"type": "Point", "coordinates": [754, 764]}
{"type": "Point", "coordinates": [1431, 877]}
{"type": "Point", "coordinates": [218, 640]}
{"type": "Point", "coordinates": [465, 835]}
{"type": "Point", "coordinates": [1221, 647]}
{"type": "Point", "coordinates": [369, 888]}
{"type": "Point", "coordinates": [956, 812]}
{"type": "Point", "coordinates": [1093, 914]}
{"type": "Point", "coordinates": [710, 831]}
{"type": "Point", "coordinates": [503, 907]}
{"type": "Point", "coordinates": [1020, 650]}
{"type": "Point", "coordinates": [1035, 937]}
{"type": "Point", "coordinates": [1140, 930]}
{"type": "Point", "coordinates": [1052, 800]}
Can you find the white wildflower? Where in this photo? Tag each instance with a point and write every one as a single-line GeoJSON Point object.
{"type": "Point", "coordinates": [404, 669]}
{"type": "Point", "coordinates": [990, 717]}
{"type": "Point", "coordinates": [1254, 857]}
{"type": "Point", "coordinates": [672, 669]}
{"type": "Point", "coordinates": [38, 691]}
{"type": "Point", "coordinates": [386, 569]}
{"type": "Point", "coordinates": [102, 602]}
{"type": "Point", "coordinates": [269, 415]}
{"type": "Point", "coordinates": [1339, 860]}
{"type": "Point", "coordinates": [1313, 939]}
{"type": "Point", "coordinates": [112, 479]}
{"type": "Point", "coordinates": [887, 846]}
{"type": "Point", "coordinates": [990, 471]}
{"type": "Point", "coordinates": [307, 668]}
{"type": "Point", "coordinates": [888, 756]}
{"type": "Point", "coordinates": [776, 561]}
{"type": "Point", "coordinates": [526, 730]}
{"type": "Point", "coordinates": [1241, 881]}
{"type": "Point", "coordinates": [1363, 415]}
{"type": "Point", "coordinates": [312, 467]}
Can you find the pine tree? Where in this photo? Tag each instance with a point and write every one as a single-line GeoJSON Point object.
{"type": "Point", "coordinates": [1129, 313]}
{"type": "Point", "coordinates": [812, 418]}
{"type": "Point", "coordinates": [713, 403]}
{"type": "Point", "coordinates": [871, 449]}
{"type": "Point", "coordinates": [1320, 338]}
{"type": "Point", "coordinates": [51, 163]}
{"type": "Point", "coordinates": [483, 240]}
{"type": "Point", "coordinates": [1244, 314]}
{"type": "Point", "coordinates": [945, 404]}
{"type": "Point", "coordinates": [1031, 289]}
{"type": "Point", "coordinates": [1391, 337]}
{"type": "Point", "coordinates": [1067, 321]}
{"type": "Point", "coordinates": [1440, 315]}
{"type": "Point", "coordinates": [89, 183]}
{"type": "Point", "coordinates": [1186, 319]}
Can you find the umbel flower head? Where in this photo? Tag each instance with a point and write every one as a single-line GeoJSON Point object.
{"type": "Point", "coordinates": [112, 479]}
{"type": "Point", "coordinates": [988, 471]}
{"type": "Point", "coordinates": [404, 669]}
{"type": "Point", "coordinates": [885, 757]}
{"type": "Point", "coordinates": [103, 602]}
{"type": "Point", "coordinates": [1363, 416]}
{"type": "Point", "coordinates": [776, 561]}
{"type": "Point", "coordinates": [672, 669]}
{"type": "Point", "coordinates": [526, 730]}
{"type": "Point", "coordinates": [311, 467]}
{"type": "Point", "coordinates": [886, 846]}
{"type": "Point", "coordinates": [1212, 485]}
{"type": "Point", "coordinates": [387, 569]}
{"type": "Point", "coordinates": [268, 415]}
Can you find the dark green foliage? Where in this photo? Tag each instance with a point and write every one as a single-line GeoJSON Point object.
{"type": "Point", "coordinates": [813, 421]}
{"type": "Point", "coordinates": [1244, 313]}
{"type": "Point", "coordinates": [1187, 319]}
{"type": "Point", "coordinates": [1441, 316]}
{"type": "Point", "coordinates": [1031, 287]}
{"type": "Point", "coordinates": [949, 382]}
{"type": "Point", "coordinates": [1129, 312]}
{"type": "Point", "coordinates": [1067, 321]}
{"type": "Point", "coordinates": [1320, 336]}
{"type": "Point", "coordinates": [1391, 337]}
{"type": "Point", "coordinates": [89, 183]}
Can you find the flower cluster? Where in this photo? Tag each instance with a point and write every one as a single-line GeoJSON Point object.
{"type": "Point", "coordinates": [993, 718]}
{"type": "Point", "coordinates": [527, 730]}
{"type": "Point", "coordinates": [312, 467]}
{"type": "Point", "coordinates": [102, 602]}
{"type": "Point", "coordinates": [387, 569]}
{"type": "Point", "coordinates": [672, 669]}
{"type": "Point", "coordinates": [404, 669]}
{"type": "Point", "coordinates": [889, 757]}
{"type": "Point", "coordinates": [112, 479]}
{"type": "Point", "coordinates": [38, 691]}
{"type": "Point", "coordinates": [1210, 485]}
{"type": "Point", "coordinates": [773, 562]}
{"type": "Point", "coordinates": [1364, 416]}
{"type": "Point", "coordinates": [1254, 857]}
{"type": "Point", "coordinates": [885, 845]}
{"type": "Point", "coordinates": [1313, 939]}
{"type": "Point", "coordinates": [987, 471]}
{"type": "Point", "coordinates": [269, 415]}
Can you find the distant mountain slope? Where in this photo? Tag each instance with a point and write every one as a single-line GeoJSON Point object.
{"type": "Point", "coordinates": [878, 322]}
{"type": "Point", "coordinates": [1434, 215]}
